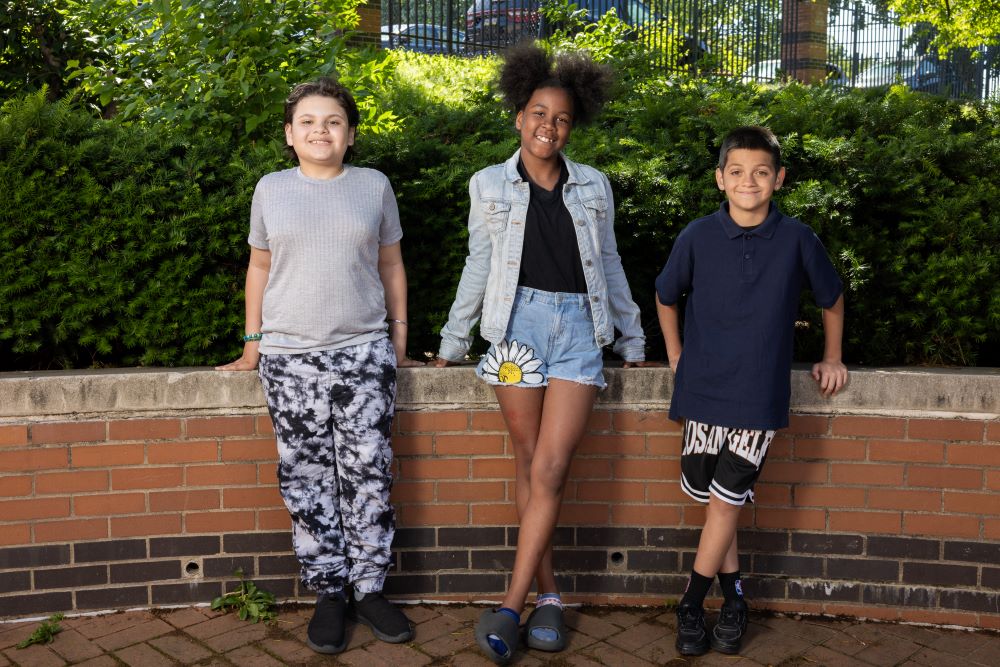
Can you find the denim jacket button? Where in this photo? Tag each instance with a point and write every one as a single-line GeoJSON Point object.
{"type": "Point", "coordinates": [493, 206]}
{"type": "Point", "coordinates": [595, 299]}
{"type": "Point", "coordinates": [581, 222]}
{"type": "Point", "coordinates": [589, 263]}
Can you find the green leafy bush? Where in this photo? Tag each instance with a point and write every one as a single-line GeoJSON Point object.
{"type": "Point", "coordinates": [125, 246]}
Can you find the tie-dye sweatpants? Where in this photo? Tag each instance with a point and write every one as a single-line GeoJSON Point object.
{"type": "Point", "coordinates": [332, 413]}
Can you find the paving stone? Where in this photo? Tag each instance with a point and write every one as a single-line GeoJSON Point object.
{"type": "Point", "coordinates": [470, 659]}
{"type": "Point", "coordinates": [805, 629]}
{"type": "Point", "coordinates": [959, 643]}
{"type": "Point", "coordinates": [102, 661]}
{"type": "Point", "coordinates": [777, 648]}
{"type": "Point", "coordinates": [441, 626]}
{"type": "Point", "coordinates": [625, 619]}
{"type": "Point", "coordinates": [15, 633]}
{"type": "Point", "coordinates": [143, 655]}
{"type": "Point", "coordinates": [636, 636]}
{"type": "Point", "coordinates": [987, 655]}
{"type": "Point", "coordinates": [578, 660]}
{"type": "Point", "coordinates": [888, 651]}
{"type": "Point", "coordinates": [215, 626]}
{"type": "Point", "coordinates": [103, 625]}
{"type": "Point", "coordinates": [182, 618]}
{"type": "Point", "coordinates": [35, 655]}
{"type": "Point", "coordinates": [928, 656]}
{"type": "Point", "coordinates": [289, 652]}
{"type": "Point", "coordinates": [846, 643]}
{"type": "Point", "coordinates": [465, 614]}
{"type": "Point", "coordinates": [74, 647]}
{"type": "Point", "coordinates": [460, 638]}
{"type": "Point", "coordinates": [660, 651]}
{"type": "Point", "coordinates": [250, 656]}
{"type": "Point", "coordinates": [588, 624]}
{"type": "Point", "coordinates": [821, 655]}
{"type": "Point", "coordinates": [134, 634]}
{"type": "Point", "coordinates": [420, 613]}
{"type": "Point", "coordinates": [607, 654]}
{"type": "Point", "coordinates": [398, 654]}
{"type": "Point", "coordinates": [247, 633]}
{"type": "Point", "coordinates": [917, 635]}
{"type": "Point", "coordinates": [181, 649]}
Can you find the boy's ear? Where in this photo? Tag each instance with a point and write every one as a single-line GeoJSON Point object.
{"type": "Point", "coordinates": [288, 133]}
{"type": "Point", "coordinates": [779, 179]}
{"type": "Point", "coordinates": [350, 136]}
{"type": "Point", "coordinates": [517, 120]}
{"type": "Point", "coordinates": [718, 179]}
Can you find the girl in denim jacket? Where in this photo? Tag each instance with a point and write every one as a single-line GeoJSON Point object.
{"type": "Point", "coordinates": [544, 275]}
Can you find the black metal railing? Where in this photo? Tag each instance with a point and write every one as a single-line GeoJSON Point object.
{"type": "Point", "coordinates": [748, 39]}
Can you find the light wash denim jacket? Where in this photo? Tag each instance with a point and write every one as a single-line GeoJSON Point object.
{"type": "Point", "coordinates": [499, 204]}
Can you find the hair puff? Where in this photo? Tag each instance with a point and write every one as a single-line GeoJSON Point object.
{"type": "Point", "coordinates": [528, 67]}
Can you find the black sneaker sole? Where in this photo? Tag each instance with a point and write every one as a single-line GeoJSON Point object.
{"type": "Point", "coordinates": [327, 649]}
{"type": "Point", "coordinates": [694, 648]}
{"type": "Point", "coordinates": [729, 648]}
{"type": "Point", "coordinates": [390, 639]}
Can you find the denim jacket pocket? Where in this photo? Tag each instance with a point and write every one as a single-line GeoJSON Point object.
{"type": "Point", "coordinates": [597, 209]}
{"type": "Point", "coordinates": [496, 212]}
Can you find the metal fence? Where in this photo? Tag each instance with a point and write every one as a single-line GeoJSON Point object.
{"type": "Point", "coordinates": [731, 38]}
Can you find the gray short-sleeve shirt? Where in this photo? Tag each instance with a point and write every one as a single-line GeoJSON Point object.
{"type": "Point", "coordinates": [323, 290]}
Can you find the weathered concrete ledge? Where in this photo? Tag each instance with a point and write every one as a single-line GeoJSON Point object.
{"type": "Point", "coordinates": [60, 394]}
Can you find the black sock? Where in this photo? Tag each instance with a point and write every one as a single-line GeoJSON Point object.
{"type": "Point", "coordinates": [732, 589]}
{"type": "Point", "coordinates": [697, 589]}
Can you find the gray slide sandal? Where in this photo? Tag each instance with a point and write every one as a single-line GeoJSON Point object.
{"type": "Point", "coordinates": [548, 617]}
{"type": "Point", "coordinates": [505, 631]}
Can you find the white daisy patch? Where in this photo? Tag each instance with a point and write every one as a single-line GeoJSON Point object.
{"type": "Point", "coordinates": [512, 363]}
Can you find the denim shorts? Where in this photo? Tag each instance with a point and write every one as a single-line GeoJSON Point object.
{"type": "Point", "coordinates": [549, 335]}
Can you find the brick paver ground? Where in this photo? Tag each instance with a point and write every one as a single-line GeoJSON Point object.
{"type": "Point", "coordinates": [617, 637]}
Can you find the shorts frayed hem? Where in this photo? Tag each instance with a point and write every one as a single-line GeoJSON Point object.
{"type": "Point", "coordinates": [590, 382]}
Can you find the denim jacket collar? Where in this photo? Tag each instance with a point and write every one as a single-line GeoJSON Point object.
{"type": "Point", "coordinates": [576, 175]}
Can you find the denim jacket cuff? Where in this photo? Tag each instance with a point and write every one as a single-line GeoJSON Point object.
{"type": "Point", "coordinates": [451, 352]}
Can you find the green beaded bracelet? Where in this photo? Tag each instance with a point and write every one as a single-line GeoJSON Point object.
{"type": "Point", "coordinates": [254, 336]}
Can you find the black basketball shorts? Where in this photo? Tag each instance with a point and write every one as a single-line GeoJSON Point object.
{"type": "Point", "coordinates": [722, 461]}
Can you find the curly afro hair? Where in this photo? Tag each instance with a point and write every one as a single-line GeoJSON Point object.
{"type": "Point", "coordinates": [528, 67]}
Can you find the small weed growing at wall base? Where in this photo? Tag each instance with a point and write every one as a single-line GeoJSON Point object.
{"type": "Point", "coordinates": [44, 633]}
{"type": "Point", "coordinates": [250, 602]}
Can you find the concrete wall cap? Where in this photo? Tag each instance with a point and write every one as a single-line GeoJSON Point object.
{"type": "Point", "coordinates": [973, 392]}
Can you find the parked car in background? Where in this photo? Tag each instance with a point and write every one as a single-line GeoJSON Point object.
{"type": "Point", "coordinates": [501, 22]}
{"type": "Point", "coordinates": [423, 37]}
{"type": "Point", "coordinates": [923, 74]}
{"type": "Point", "coordinates": [770, 70]}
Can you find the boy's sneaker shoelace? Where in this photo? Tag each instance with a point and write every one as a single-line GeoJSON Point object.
{"type": "Point", "coordinates": [692, 639]}
{"type": "Point", "coordinates": [727, 635]}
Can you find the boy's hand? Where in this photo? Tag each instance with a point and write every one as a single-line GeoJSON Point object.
{"type": "Point", "coordinates": [247, 362]}
{"type": "Point", "coordinates": [641, 364]}
{"type": "Point", "coordinates": [831, 376]}
{"type": "Point", "coordinates": [406, 362]}
{"type": "Point", "coordinates": [439, 362]}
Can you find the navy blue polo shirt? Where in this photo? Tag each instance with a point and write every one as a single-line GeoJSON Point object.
{"type": "Point", "coordinates": [743, 288]}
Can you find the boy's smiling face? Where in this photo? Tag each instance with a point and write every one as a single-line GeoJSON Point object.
{"type": "Point", "coordinates": [320, 135]}
{"type": "Point", "coordinates": [749, 179]}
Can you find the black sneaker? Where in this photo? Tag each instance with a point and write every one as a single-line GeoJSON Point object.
{"type": "Point", "coordinates": [326, 629]}
{"type": "Point", "coordinates": [728, 632]}
{"type": "Point", "coordinates": [691, 636]}
{"type": "Point", "coordinates": [386, 622]}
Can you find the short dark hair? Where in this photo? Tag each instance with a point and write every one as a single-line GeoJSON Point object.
{"type": "Point", "coordinates": [324, 87]}
{"type": "Point", "coordinates": [528, 67]}
{"type": "Point", "coordinates": [751, 137]}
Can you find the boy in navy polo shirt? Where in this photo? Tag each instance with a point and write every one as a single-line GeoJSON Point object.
{"type": "Point", "coordinates": [742, 270]}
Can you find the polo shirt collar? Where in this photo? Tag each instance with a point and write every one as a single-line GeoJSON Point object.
{"type": "Point", "coordinates": [765, 229]}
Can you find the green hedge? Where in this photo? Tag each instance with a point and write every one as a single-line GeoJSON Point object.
{"type": "Point", "coordinates": [124, 246]}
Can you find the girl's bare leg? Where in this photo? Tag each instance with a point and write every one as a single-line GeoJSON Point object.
{"type": "Point", "coordinates": [564, 410]}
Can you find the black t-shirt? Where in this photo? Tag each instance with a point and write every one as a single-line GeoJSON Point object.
{"type": "Point", "coordinates": [550, 257]}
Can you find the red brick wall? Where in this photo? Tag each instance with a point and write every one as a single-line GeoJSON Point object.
{"type": "Point", "coordinates": [869, 516]}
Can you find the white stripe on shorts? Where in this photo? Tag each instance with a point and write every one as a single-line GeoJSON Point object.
{"type": "Point", "coordinates": [728, 496]}
{"type": "Point", "coordinates": [700, 496]}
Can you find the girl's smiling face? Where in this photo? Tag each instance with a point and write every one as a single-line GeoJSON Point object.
{"type": "Point", "coordinates": [545, 123]}
{"type": "Point", "coordinates": [320, 135]}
